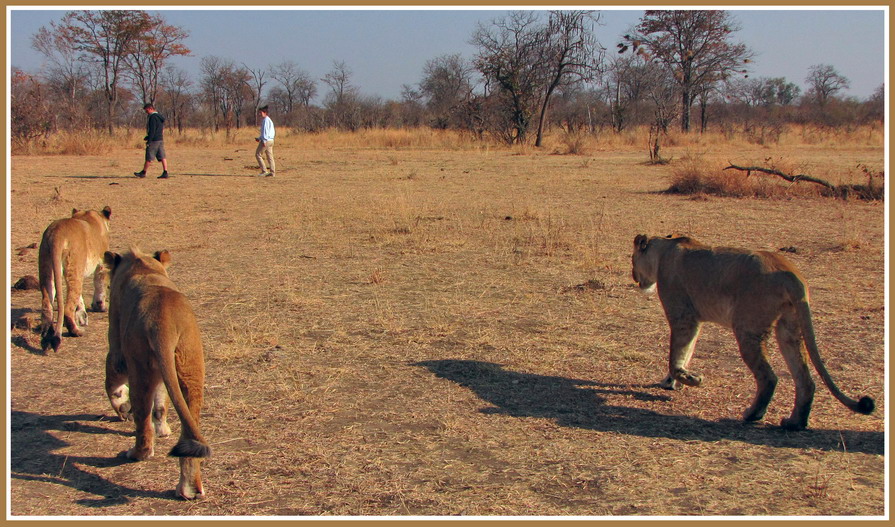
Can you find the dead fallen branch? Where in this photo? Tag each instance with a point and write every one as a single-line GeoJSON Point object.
{"type": "Point", "coordinates": [866, 192]}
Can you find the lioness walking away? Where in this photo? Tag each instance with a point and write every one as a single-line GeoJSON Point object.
{"type": "Point", "coordinates": [154, 345]}
{"type": "Point", "coordinates": [749, 292]}
{"type": "Point", "coordinates": [71, 249]}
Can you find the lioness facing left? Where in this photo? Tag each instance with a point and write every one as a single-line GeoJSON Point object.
{"type": "Point", "coordinates": [154, 347]}
{"type": "Point", "coordinates": [71, 248]}
{"type": "Point", "coordinates": [750, 292]}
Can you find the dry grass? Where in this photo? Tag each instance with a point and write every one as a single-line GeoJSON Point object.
{"type": "Point", "coordinates": [695, 176]}
{"type": "Point", "coordinates": [98, 142]}
{"type": "Point", "coordinates": [400, 326]}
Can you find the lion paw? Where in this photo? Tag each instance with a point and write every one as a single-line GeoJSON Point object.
{"type": "Point", "coordinates": [141, 454]}
{"type": "Point", "coordinates": [794, 425]}
{"type": "Point", "coordinates": [162, 429]}
{"type": "Point", "coordinates": [668, 383]}
{"type": "Point", "coordinates": [688, 378]}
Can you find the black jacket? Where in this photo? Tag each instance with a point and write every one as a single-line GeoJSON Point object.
{"type": "Point", "coordinates": [155, 127]}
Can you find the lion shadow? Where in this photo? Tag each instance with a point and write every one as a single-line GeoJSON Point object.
{"type": "Point", "coordinates": [33, 458]}
{"type": "Point", "coordinates": [19, 318]}
{"type": "Point", "coordinates": [582, 404]}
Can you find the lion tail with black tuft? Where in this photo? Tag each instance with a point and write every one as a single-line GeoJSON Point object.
{"type": "Point", "coordinates": [187, 447]}
{"type": "Point", "coordinates": [799, 297]}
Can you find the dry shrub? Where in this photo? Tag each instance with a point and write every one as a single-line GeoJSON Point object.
{"type": "Point", "coordinates": [695, 176]}
{"type": "Point", "coordinates": [84, 144]}
{"type": "Point", "coordinates": [76, 143]}
{"type": "Point", "coordinates": [575, 143]}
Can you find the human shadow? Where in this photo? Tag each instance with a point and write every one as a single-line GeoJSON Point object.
{"type": "Point", "coordinates": [582, 404]}
{"type": "Point", "coordinates": [220, 175]}
{"type": "Point", "coordinates": [33, 458]}
{"type": "Point", "coordinates": [94, 176]}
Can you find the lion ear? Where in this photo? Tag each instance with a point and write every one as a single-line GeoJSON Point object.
{"type": "Point", "coordinates": [107, 212]}
{"type": "Point", "coordinates": [164, 257]}
{"type": "Point", "coordinates": [111, 260]}
{"type": "Point", "coordinates": [74, 211]}
{"type": "Point", "coordinates": [640, 242]}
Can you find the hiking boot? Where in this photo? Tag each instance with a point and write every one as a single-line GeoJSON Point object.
{"type": "Point", "coordinates": [164, 175]}
{"type": "Point", "coordinates": [141, 173]}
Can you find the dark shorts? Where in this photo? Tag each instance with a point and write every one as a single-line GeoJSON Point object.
{"type": "Point", "coordinates": [156, 150]}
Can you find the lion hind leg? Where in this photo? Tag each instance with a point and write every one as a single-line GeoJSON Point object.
{"type": "Point", "coordinates": [160, 412]}
{"type": "Point", "coordinates": [752, 349]}
{"type": "Point", "coordinates": [74, 314]}
{"type": "Point", "coordinates": [99, 290]}
{"type": "Point", "coordinates": [81, 312]}
{"type": "Point", "coordinates": [190, 485]}
{"type": "Point", "coordinates": [142, 398]}
{"type": "Point", "coordinates": [789, 338]}
{"type": "Point", "coordinates": [48, 296]}
{"type": "Point", "coordinates": [190, 451]}
{"type": "Point", "coordinates": [116, 382]}
{"type": "Point", "coordinates": [683, 341]}
{"type": "Point", "coordinates": [50, 331]}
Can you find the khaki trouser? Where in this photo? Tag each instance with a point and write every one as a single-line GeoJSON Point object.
{"type": "Point", "coordinates": [265, 150]}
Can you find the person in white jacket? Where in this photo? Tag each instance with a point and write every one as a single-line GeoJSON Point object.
{"type": "Point", "coordinates": [265, 144]}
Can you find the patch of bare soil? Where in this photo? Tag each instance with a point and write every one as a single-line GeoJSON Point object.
{"type": "Point", "coordinates": [423, 332]}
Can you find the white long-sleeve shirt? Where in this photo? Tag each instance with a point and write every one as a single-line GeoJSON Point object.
{"type": "Point", "coordinates": [267, 130]}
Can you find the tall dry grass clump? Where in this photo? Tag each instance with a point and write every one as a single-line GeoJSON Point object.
{"type": "Point", "coordinates": [694, 175]}
{"type": "Point", "coordinates": [75, 143]}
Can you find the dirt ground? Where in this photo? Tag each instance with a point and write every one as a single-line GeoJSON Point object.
{"type": "Point", "coordinates": [400, 331]}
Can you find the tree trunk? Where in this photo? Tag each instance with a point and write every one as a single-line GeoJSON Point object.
{"type": "Point", "coordinates": [686, 101]}
{"type": "Point", "coordinates": [543, 117]}
{"type": "Point", "coordinates": [109, 105]}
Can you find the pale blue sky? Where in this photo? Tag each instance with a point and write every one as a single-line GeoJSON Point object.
{"type": "Point", "coordinates": [387, 48]}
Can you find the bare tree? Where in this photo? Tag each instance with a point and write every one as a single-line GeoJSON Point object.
{"type": "Point", "coordinates": [628, 84]}
{"type": "Point", "coordinates": [67, 76]}
{"type": "Point", "coordinates": [298, 86]}
{"type": "Point", "coordinates": [256, 83]}
{"type": "Point", "coordinates": [447, 84]}
{"type": "Point", "coordinates": [824, 82]}
{"type": "Point", "coordinates": [339, 81]}
{"type": "Point", "coordinates": [526, 60]}
{"type": "Point", "coordinates": [226, 89]}
{"type": "Point", "coordinates": [149, 53]}
{"type": "Point", "coordinates": [105, 38]}
{"type": "Point", "coordinates": [175, 85]}
{"type": "Point", "coordinates": [508, 54]}
{"type": "Point", "coordinates": [694, 45]}
{"type": "Point", "coordinates": [763, 92]}
{"type": "Point", "coordinates": [875, 105]}
{"type": "Point", "coordinates": [31, 117]}
{"type": "Point", "coordinates": [342, 101]}
{"type": "Point", "coordinates": [571, 53]}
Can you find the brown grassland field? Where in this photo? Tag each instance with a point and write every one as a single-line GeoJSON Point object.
{"type": "Point", "coordinates": [413, 323]}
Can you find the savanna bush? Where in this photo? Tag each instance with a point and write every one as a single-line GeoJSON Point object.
{"type": "Point", "coordinates": [695, 176]}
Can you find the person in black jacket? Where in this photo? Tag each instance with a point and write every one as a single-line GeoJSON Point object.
{"type": "Point", "coordinates": [155, 145]}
